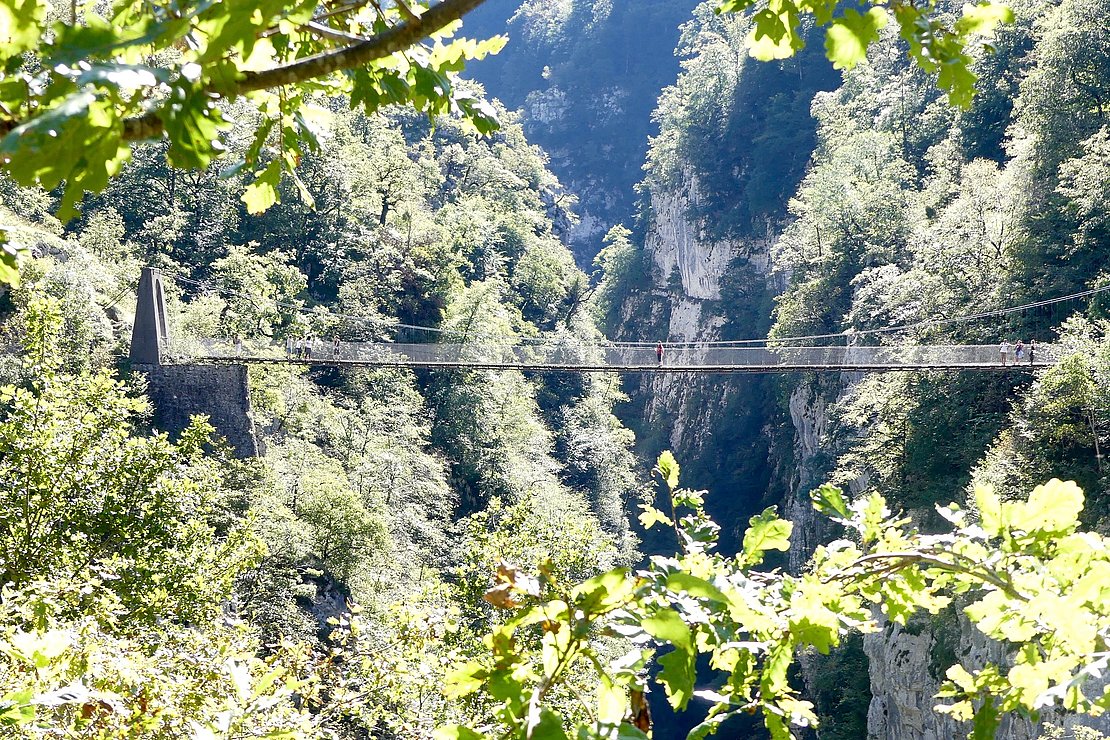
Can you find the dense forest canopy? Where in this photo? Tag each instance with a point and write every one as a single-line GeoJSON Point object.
{"type": "Point", "coordinates": [457, 554]}
{"type": "Point", "coordinates": [96, 78]}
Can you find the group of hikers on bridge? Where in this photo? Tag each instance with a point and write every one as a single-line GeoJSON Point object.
{"type": "Point", "coordinates": [310, 347]}
{"type": "Point", "coordinates": [1015, 352]}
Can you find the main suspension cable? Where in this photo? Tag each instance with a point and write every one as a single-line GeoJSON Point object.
{"type": "Point", "coordinates": [847, 333]}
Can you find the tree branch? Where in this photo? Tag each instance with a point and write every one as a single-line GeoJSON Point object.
{"type": "Point", "coordinates": [379, 46]}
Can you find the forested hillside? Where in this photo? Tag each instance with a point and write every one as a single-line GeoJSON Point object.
{"type": "Point", "coordinates": [395, 492]}
{"type": "Point", "coordinates": [585, 75]}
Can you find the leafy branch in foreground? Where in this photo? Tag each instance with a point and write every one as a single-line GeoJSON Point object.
{"type": "Point", "coordinates": [77, 86]}
{"type": "Point", "coordinates": [1028, 576]}
{"type": "Point", "coordinates": [938, 47]}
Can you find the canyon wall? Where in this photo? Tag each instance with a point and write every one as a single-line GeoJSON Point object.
{"type": "Point", "coordinates": [797, 447]}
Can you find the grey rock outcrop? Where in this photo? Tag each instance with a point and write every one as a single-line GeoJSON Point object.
{"type": "Point", "coordinates": [904, 683]}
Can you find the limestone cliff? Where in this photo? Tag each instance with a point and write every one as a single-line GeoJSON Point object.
{"type": "Point", "coordinates": [797, 444]}
{"type": "Point", "coordinates": [716, 424]}
{"type": "Point", "coordinates": [905, 664]}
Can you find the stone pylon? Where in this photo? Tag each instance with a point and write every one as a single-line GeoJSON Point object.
{"type": "Point", "coordinates": [151, 334]}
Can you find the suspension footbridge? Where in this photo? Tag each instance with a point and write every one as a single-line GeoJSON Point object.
{"type": "Point", "coordinates": [151, 344]}
{"type": "Point", "coordinates": [609, 357]}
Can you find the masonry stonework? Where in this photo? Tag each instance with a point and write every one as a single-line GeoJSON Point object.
{"type": "Point", "coordinates": [220, 392]}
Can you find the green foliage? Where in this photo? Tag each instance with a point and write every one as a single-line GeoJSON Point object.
{"type": "Point", "coordinates": [1030, 578]}
{"type": "Point", "coordinates": [341, 530]}
{"type": "Point", "coordinates": [1057, 426]}
{"type": "Point", "coordinates": [724, 108]}
{"type": "Point", "coordinates": [262, 292]}
{"type": "Point", "coordinates": [620, 265]}
{"type": "Point", "coordinates": [356, 499]}
{"type": "Point", "coordinates": [77, 87]}
{"type": "Point", "coordinates": [595, 69]}
{"type": "Point", "coordinates": [80, 492]}
{"type": "Point", "coordinates": [88, 678]}
{"type": "Point", "coordinates": [118, 561]}
{"type": "Point", "coordinates": [9, 259]}
{"type": "Point", "coordinates": [937, 46]}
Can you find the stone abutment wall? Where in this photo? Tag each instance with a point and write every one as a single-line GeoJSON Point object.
{"type": "Point", "coordinates": [220, 392]}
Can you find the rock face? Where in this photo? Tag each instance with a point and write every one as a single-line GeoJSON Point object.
{"type": "Point", "coordinates": [810, 420]}
{"type": "Point", "coordinates": [585, 76]}
{"type": "Point", "coordinates": [675, 246]}
{"type": "Point", "coordinates": [683, 305]}
{"type": "Point", "coordinates": [903, 667]}
{"type": "Point", "coordinates": [220, 392]}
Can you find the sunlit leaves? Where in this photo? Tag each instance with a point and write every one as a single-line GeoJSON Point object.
{"type": "Point", "coordinates": [829, 500]}
{"type": "Point", "coordinates": [990, 509]}
{"type": "Point", "coordinates": [510, 582]}
{"type": "Point", "coordinates": [983, 19]}
{"type": "Point", "coordinates": [766, 532]}
{"type": "Point", "coordinates": [77, 141]}
{"type": "Point", "coordinates": [20, 25]}
{"type": "Point", "coordinates": [650, 516]}
{"type": "Point", "coordinates": [667, 467]}
{"type": "Point", "coordinates": [685, 582]}
{"type": "Point", "coordinates": [193, 123]}
{"type": "Point", "coordinates": [457, 732]}
{"type": "Point", "coordinates": [604, 592]}
{"type": "Point", "coordinates": [83, 90]}
{"type": "Point", "coordinates": [773, 35]}
{"type": "Point", "coordinates": [848, 36]}
{"type": "Point", "coordinates": [9, 259]}
{"type": "Point", "coordinates": [1030, 580]}
{"type": "Point", "coordinates": [678, 672]}
{"type": "Point", "coordinates": [1052, 509]}
{"type": "Point", "coordinates": [263, 192]}
{"type": "Point", "coordinates": [937, 47]}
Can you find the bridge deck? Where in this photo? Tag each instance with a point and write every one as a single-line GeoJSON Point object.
{"type": "Point", "coordinates": [576, 357]}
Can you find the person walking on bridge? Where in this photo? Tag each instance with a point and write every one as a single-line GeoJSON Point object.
{"type": "Point", "coordinates": [1019, 352]}
{"type": "Point", "coordinates": [1004, 350]}
{"type": "Point", "coordinates": [659, 353]}
{"type": "Point", "coordinates": [1032, 349]}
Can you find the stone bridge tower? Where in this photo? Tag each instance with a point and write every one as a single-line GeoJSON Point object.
{"type": "Point", "coordinates": [151, 335]}
{"type": "Point", "coordinates": [180, 391]}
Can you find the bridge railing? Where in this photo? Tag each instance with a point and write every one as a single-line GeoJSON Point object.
{"type": "Point", "coordinates": [569, 355]}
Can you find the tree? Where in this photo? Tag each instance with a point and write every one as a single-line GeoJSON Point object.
{"type": "Point", "coordinates": [261, 292]}
{"type": "Point", "coordinates": [1027, 575]}
{"type": "Point", "coordinates": [79, 85]}
{"type": "Point", "coordinates": [935, 46]}
{"type": "Point", "coordinates": [97, 79]}
{"type": "Point", "coordinates": [343, 532]}
{"type": "Point", "coordinates": [80, 492]}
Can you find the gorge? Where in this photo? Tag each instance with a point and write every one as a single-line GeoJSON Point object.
{"type": "Point", "coordinates": [476, 551]}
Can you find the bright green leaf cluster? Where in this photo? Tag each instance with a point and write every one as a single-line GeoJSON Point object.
{"type": "Point", "coordinates": [1029, 577]}
{"type": "Point", "coordinates": [938, 47]}
{"type": "Point", "coordinates": [77, 85]}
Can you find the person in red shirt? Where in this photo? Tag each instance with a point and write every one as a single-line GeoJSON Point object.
{"type": "Point", "coordinates": [659, 352]}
